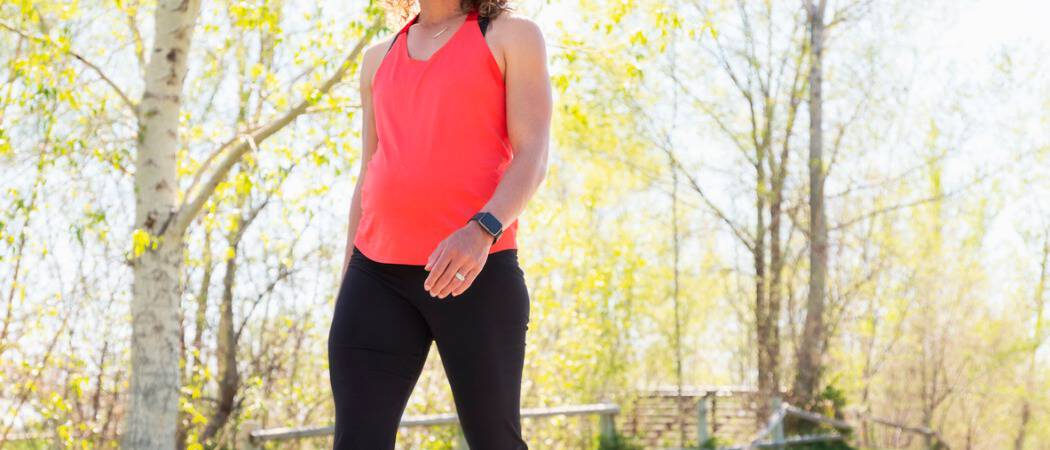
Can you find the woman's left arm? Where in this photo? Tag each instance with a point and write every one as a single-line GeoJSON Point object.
{"type": "Point", "coordinates": [529, 105]}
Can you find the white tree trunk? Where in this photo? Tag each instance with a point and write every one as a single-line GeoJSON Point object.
{"type": "Point", "coordinates": [811, 353]}
{"type": "Point", "coordinates": [153, 400]}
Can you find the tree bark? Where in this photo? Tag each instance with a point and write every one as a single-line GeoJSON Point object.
{"type": "Point", "coordinates": [226, 353]}
{"type": "Point", "coordinates": [1037, 342]}
{"type": "Point", "coordinates": [766, 319]}
{"type": "Point", "coordinates": [153, 399]}
{"type": "Point", "coordinates": [811, 351]}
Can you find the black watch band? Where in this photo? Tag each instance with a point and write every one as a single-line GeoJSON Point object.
{"type": "Point", "coordinates": [490, 224]}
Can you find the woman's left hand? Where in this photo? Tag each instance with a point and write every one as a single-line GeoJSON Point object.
{"type": "Point", "coordinates": [464, 251]}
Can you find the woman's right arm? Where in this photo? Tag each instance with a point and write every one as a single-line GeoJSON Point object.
{"type": "Point", "coordinates": [373, 56]}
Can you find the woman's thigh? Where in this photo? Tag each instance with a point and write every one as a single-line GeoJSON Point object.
{"type": "Point", "coordinates": [377, 345]}
{"type": "Point", "coordinates": [480, 335]}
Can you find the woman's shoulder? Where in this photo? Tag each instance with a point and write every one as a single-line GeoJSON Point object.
{"type": "Point", "coordinates": [516, 34]}
{"type": "Point", "coordinates": [377, 49]}
{"type": "Point", "coordinates": [373, 57]}
{"type": "Point", "coordinates": [511, 25]}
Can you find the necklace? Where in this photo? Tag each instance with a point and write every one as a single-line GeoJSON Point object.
{"type": "Point", "coordinates": [439, 32]}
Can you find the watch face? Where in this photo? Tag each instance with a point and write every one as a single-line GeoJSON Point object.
{"type": "Point", "coordinates": [490, 223]}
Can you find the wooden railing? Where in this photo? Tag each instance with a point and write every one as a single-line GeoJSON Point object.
{"type": "Point", "coordinates": [606, 412]}
{"type": "Point", "coordinates": [772, 435]}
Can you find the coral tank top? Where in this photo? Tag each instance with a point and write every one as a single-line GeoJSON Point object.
{"type": "Point", "coordinates": [441, 126]}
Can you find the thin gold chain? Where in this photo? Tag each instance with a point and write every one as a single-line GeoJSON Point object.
{"type": "Point", "coordinates": [439, 32]}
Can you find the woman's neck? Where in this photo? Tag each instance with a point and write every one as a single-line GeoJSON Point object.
{"type": "Point", "coordinates": [437, 11]}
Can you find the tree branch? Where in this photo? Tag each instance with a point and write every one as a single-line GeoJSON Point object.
{"type": "Point", "coordinates": [249, 141]}
{"type": "Point", "coordinates": [127, 101]}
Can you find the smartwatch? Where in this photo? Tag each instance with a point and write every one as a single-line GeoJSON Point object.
{"type": "Point", "coordinates": [489, 223]}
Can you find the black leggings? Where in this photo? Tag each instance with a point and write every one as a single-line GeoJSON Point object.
{"type": "Point", "coordinates": [381, 332]}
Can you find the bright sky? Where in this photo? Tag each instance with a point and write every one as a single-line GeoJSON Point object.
{"type": "Point", "coordinates": [979, 33]}
{"type": "Point", "coordinates": [992, 22]}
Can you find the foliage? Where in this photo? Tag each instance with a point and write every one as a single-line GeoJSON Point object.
{"type": "Point", "coordinates": [937, 202]}
{"type": "Point", "coordinates": [616, 441]}
{"type": "Point", "coordinates": [713, 443]}
{"type": "Point", "coordinates": [835, 445]}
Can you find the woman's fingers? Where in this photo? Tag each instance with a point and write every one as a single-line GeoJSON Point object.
{"type": "Point", "coordinates": [470, 270]}
{"type": "Point", "coordinates": [436, 268]}
{"type": "Point", "coordinates": [434, 255]}
{"type": "Point", "coordinates": [458, 263]}
{"type": "Point", "coordinates": [469, 277]}
{"type": "Point", "coordinates": [456, 254]}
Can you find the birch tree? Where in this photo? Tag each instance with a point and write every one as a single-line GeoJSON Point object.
{"type": "Point", "coordinates": [153, 400]}
{"type": "Point", "coordinates": [161, 221]}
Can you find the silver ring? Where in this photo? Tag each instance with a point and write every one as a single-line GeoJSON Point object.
{"type": "Point", "coordinates": [460, 276]}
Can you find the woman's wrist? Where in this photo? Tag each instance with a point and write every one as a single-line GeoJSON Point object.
{"type": "Point", "coordinates": [480, 232]}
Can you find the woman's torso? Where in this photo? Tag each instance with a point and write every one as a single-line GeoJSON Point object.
{"type": "Point", "coordinates": [442, 147]}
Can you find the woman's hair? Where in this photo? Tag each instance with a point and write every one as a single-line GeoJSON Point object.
{"type": "Point", "coordinates": [485, 8]}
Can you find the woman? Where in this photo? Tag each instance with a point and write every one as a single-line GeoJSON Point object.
{"type": "Point", "coordinates": [456, 119]}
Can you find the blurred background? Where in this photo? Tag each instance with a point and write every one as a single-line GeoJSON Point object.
{"type": "Point", "coordinates": [720, 253]}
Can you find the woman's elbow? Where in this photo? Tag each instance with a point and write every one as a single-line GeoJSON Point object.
{"type": "Point", "coordinates": [542, 166]}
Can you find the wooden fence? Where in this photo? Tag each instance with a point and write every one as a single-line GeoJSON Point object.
{"type": "Point", "coordinates": [772, 434]}
{"type": "Point", "coordinates": [606, 412]}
